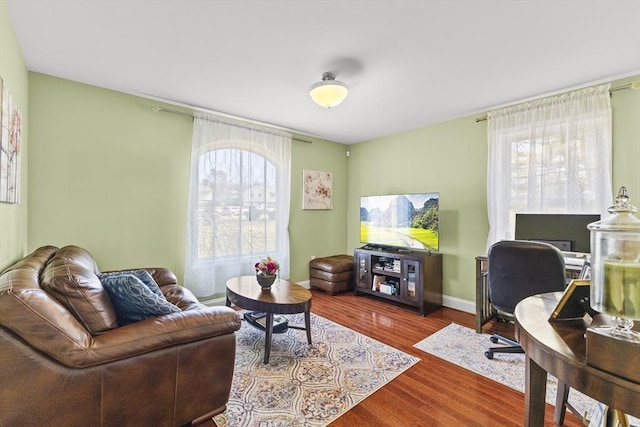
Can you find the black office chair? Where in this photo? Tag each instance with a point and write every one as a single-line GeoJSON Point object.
{"type": "Point", "coordinates": [518, 269]}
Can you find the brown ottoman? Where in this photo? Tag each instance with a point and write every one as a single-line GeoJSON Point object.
{"type": "Point", "coordinates": [332, 274]}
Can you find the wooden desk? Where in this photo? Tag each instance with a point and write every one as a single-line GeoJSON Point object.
{"type": "Point", "coordinates": [559, 348]}
{"type": "Point", "coordinates": [283, 298]}
{"type": "Point", "coordinates": [484, 310]}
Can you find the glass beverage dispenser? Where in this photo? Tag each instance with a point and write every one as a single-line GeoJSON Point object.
{"type": "Point", "coordinates": [615, 267]}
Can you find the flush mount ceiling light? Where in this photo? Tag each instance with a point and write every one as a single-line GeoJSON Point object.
{"type": "Point", "coordinates": [329, 92]}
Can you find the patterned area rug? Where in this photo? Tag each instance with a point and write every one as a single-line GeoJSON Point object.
{"type": "Point", "coordinates": [464, 347]}
{"type": "Point", "coordinates": [306, 385]}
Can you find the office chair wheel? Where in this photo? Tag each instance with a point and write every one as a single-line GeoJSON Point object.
{"type": "Point", "coordinates": [488, 354]}
{"type": "Point", "coordinates": [493, 339]}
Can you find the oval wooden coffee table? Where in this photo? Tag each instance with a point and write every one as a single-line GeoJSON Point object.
{"type": "Point", "coordinates": [284, 297]}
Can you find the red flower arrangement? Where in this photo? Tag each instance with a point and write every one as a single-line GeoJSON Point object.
{"type": "Point", "coordinates": [267, 267]}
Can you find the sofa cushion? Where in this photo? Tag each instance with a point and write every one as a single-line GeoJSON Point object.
{"type": "Point", "coordinates": [333, 263]}
{"type": "Point", "coordinates": [133, 300]}
{"type": "Point", "coordinates": [141, 274]}
{"type": "Point", "coordinates": [182, 297]}
{"type": "Point", "coordinates": [70, 276]}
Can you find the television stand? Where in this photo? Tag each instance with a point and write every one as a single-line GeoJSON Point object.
{"type": "Point", "coordinates": [407, 277]}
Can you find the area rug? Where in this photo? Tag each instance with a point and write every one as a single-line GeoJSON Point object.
{"type": "Point", "coordinates": [464, 347]}
{"type": "Point", "coordinates": [306, 385]}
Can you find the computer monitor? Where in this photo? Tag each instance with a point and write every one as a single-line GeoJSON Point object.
{"type": "Point", "coordinates": [568, 232]}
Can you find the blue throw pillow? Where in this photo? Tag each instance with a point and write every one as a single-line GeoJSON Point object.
{"type": "Point", "coordinates": [133, 300]}
{"type": "Point", "coordinates": [141, 274]}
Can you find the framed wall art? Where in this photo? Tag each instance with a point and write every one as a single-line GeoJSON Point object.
{"type": "Point", "coordinates": [317, 190]}
{"type": "Point", "coordinates": [10, 132]}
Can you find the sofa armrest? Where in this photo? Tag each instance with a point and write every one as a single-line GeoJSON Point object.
{"type": "Point", "coordinates": [181, 297]}
{"type": "Point", "coordinates": [162, 276]}
{"type": "Point", "coordinates": [157, 333]}
{"type": "Point", "coordinates": [46, 325]}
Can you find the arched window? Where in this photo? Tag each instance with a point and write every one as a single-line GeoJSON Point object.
{"type": "Point", "coordinates": [238, 203]}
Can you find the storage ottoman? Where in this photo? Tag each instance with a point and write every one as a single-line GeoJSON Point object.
{"type": "Point", "coordinates": [332, 274]}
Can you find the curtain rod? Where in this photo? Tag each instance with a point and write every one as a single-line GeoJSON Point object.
{"type": "Point", "coordinates": [158, 108]}
{"type": "Point", "coordinates": [632, 85]}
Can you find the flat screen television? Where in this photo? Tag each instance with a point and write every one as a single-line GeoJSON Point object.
{"type": "Point", "coordinates": [404, 221]}
{"type": "Point", "coordinates": [568, 232]}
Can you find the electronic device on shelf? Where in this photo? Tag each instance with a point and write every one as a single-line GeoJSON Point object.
{"type": "Point", "coordinates": [400, 221]}
{"type": "Point", "coordinates": [568, 232]}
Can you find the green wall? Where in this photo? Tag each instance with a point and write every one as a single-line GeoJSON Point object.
{"type": "Point", "coordinates": [13, 217]}
{"type": "Point", "coordinates": [626, 139]}
{"type": "Point", "coordinates": [111, 175]}
{"type": "Point", "coordinates": [107, 174]}
{"type": "Point", "coordinates": [451, 158]}
{"type": "Point", "coordinates": [317, 233]}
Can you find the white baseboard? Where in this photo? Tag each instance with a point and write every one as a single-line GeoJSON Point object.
{"type": "Point", "coordinates": [459, 304]}
{"type": "Point", "coordinates": [215, 301]}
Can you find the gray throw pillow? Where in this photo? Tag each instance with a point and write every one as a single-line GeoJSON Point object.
{"type": "Point", "coordinates": [133, 300]}
{"type": "Point", "coordinates": [141, 274]}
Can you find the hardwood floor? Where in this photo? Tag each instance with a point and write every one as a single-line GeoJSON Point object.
{"type": "Point", "coordinates": [433, 392]}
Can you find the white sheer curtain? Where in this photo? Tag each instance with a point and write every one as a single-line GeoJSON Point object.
{"type": "Point", "coordinates": [549, 156]}
{"type": "Point", "coordinates": [238, 210]}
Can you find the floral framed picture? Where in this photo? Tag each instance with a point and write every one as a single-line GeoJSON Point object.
{"type": "Point", "coordinates": [317, 190]}
{"type": "Point", "coordinates": [10, 131]}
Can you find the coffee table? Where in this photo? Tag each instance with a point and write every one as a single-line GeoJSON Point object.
{"type": "Point", "coordinates": [284, 297]}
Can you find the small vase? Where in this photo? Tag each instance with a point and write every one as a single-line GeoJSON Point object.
{"type": "Point", "coordinates": [266, 281]}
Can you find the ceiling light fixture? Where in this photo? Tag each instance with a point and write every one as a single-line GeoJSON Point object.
{"type": "Point", "coordinates": [329, 92]}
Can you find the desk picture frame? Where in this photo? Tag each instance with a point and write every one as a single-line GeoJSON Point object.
{"type": "Point", "coordinates": [574, 301]}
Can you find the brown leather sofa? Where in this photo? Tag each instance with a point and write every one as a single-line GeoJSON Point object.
{"type": "Point", "coordinates": [64, 361]}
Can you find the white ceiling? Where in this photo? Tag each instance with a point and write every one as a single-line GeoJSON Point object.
{"type": "Point", "coordinates": [408, 64]}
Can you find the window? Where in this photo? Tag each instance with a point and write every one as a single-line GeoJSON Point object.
{"type": "Point", "coordinates": [549, 156]}
{"type": "Point", "coordinates": [238, 202]}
